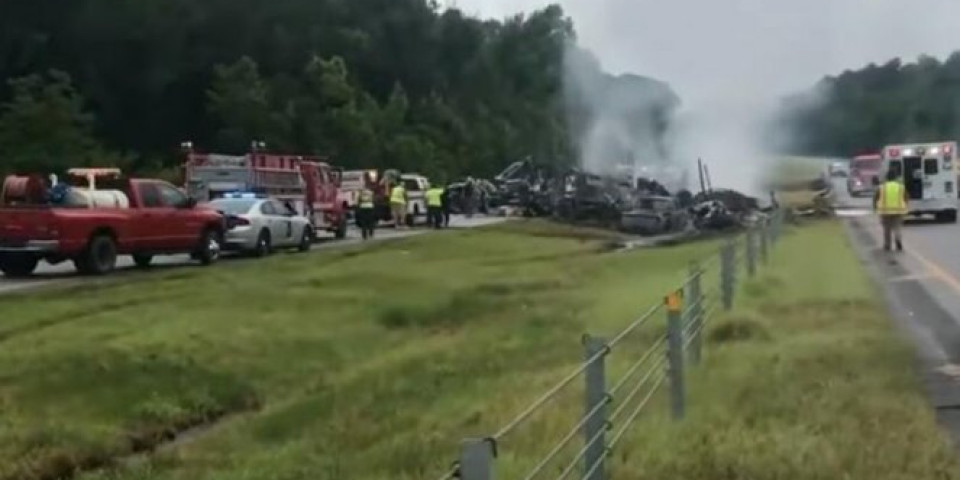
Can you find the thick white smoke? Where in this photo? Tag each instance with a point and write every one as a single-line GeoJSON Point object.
{"type": "Point", "coordinates": [731, 61]}
{"type": "Point", "coordinates": [619, 121]}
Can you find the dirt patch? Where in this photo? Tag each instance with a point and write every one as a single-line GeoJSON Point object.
{"type": "Point", "coordinates": [738, 329]}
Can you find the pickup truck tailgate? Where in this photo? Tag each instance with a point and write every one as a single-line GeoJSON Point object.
{"type": "Point", "coordinates": [18, 227]}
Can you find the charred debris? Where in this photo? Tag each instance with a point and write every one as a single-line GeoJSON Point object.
{"type": "Point", "coordinates": [641, 206]}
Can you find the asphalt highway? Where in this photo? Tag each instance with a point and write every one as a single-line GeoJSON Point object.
{"type": "Point", "coordinates": [922, 289]}
{"type": "Point", "coordinates": [47, 274]}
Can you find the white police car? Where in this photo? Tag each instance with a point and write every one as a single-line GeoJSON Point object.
{"type": "Point", "coordinates": [259, 224]}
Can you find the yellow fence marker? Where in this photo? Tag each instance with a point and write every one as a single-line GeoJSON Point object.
{"type": "Point", "coordinates": [674, 301]}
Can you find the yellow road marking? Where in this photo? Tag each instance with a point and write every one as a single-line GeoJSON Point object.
{"type": "Point", "coordinates": [952, 281]}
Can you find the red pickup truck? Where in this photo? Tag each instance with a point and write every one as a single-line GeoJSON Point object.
{"type": "Point", "coordinates": [92, 226]}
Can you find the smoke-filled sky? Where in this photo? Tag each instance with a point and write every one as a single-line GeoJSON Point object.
{"type": "Point", "coordinates": [768, 46]}
{"type": "Point", "coordinates": [731, 60]}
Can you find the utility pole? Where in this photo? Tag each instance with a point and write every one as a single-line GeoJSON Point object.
{"type": "Point", "coordinates": [706, 173]}
{"type": "Point", "coordinates": [703, 188]}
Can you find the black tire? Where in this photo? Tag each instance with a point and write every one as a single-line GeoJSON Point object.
{"type": "Point", "coordinates": [100, 256]}
{"type": "Point", "coordinates": [142, 260]}
{"type": "Point", "coordinates": [306, 239]}
{"type": "Point", "coordinates": [948, 216]}
{"type": "Point", "coordinates": [341, 232]}
{"type": "Point", "coordinates": [411, 219]}
{"type": "Point", "coordinates": [264, 246]}
{"type": "Point", "coordinates": [18, 266]}
{"type": "Point", "coordinates": [208, 251]}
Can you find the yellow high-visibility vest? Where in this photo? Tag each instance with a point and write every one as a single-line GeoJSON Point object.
{"type": "Point", "coordinates": [398, 195]}
{"type": "Point", "coordinates": [434, 197]}
{"type": "Point", "coordinates": [891, 201]}
{"type": "Point", "coordinates": [366, 198]}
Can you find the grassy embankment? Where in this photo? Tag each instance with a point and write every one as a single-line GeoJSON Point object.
{"type": "Point", "coordinates": [372, 364]}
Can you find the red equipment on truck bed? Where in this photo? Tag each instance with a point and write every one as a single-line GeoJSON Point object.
{"type": "Point", "coordinates": [308, 183]}
{"type": "Point", "coordinates": [78, 221]}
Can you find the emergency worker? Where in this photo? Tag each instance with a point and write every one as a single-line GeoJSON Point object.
{"type": "Point", "coordinates": [366, 213]}
{"type": "Point", "coordinates": [890, 201]}
{"type": "Point", "coordinates": [445, 206]}
{"type": "Point", "coordinates": [398, 205]}
{"type": "Point", "coordinates": [435, 206]}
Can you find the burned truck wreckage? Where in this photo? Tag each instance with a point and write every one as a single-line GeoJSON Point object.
{"type": "Point", "coordinates": [641, 206]}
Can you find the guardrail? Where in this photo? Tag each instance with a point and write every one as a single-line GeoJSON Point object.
{"type": "Point", "coordinates": [611, 407]}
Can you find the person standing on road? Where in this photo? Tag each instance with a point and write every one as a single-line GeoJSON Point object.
{"type": "Point", "coordinates": [435, 207]}
{"type": "Point", "coordinates": [366, 213]}
{"type": "Point", "coordinates": [890, 201]}
{"type": "Point", "coordinates": [398, 205]}
{"type": "Point", "coordinates": [469, 196]}
{"type": "Point", "coordinates": [445, 206]}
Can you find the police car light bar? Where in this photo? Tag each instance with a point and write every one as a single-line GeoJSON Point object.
{"type": "Point", "coordinates": [242, 195]}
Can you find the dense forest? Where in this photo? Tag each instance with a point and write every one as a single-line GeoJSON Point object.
{"type": "Point", "coordinates": [399, 83]}
{"type": "Point", "coordinates": [859, 111]}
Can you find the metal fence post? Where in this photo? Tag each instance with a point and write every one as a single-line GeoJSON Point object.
{"type": "Point", "coordinates": [476, 459]}
{"type": "Point", "coordinates": [695, 311]}
{"type": "Point", "coordinates": [777, 225]}
{"type": "Point", "coordinates": [596, 394]}
{"type": "Point", "coordinates": [751, 252]}
{"type": "Point", "coordinates": [764, 226]}
{"type": "Point", "coordinates": [727, 272]}
{"type": "Point", "coordinates": [675, 354]}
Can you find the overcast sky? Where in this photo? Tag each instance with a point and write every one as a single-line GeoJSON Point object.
{"type": "Point", "coordinates": [769, 46]}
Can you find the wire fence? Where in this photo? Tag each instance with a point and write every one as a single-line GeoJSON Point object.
{"type": "Point", "coordinates": [611, 406]}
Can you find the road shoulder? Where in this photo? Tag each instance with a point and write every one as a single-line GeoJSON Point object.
{"type": "Point", "coordinates": [934, 332]}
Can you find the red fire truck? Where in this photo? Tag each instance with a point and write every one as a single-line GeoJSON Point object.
{"type": "Point", "coordinates": [309, 184]}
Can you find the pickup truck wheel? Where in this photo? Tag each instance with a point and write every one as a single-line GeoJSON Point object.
{"type": "Point", "coordinates": [263, 244]}
{"type": "Point", "coordinates": [208, 252]}
{"type": "Point", "coordinates": [142, 260]}
{"type": "Point", "coordinates": [100, 256]}
{"type": "Point", "coordinates": [15, 266]}
{"type": "Point", "coordinates": [306, 240]}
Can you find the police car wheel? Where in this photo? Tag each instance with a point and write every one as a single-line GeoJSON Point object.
{"type": "Point", "coordinates": [263, 244]}
{"type": "Point", "coordinates": [306, 240]}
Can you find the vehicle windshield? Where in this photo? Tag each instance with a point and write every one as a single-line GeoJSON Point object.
{"type": "Point", "coordinates": [233, 206]}
{"type": "Point", "coordinates": [868, 164]}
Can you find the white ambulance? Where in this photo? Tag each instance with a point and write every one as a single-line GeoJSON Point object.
{"type": "Point", "coordinates": [927, 173]}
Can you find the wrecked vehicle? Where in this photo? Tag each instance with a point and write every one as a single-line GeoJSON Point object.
{"type": "Point", "coordinates": [655, 215]}
{"type": "Point", "coordinates": [488, 196]}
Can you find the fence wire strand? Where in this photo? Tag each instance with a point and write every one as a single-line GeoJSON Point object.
{"type": "Point", "coordinates": [566, 439]}
{"type": "Point", "coordinates": [636, 389]}
{"type": "Point", "coordinates": [636, 412]}
{"type": "Point", "coordinates": [546, 397]}
{"type": "Point", "coordinates": [580, 454]}
{"type": "Point", "coordinates": [635, 325]}
{"type": "Point", "coordinates": [636, 365]}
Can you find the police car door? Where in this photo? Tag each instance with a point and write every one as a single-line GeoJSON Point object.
{"type": "Point", "coordinates": [274, 222]}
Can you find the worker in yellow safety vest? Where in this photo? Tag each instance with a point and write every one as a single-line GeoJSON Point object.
{"type": "Point", "coordinates": [890, 201]}
{"type": "Point", "coordinates": [435, 206]}
{"type": "Point", "coordinates": [366, 213]}
{"type": "Point", "coordinates": [398, 205]}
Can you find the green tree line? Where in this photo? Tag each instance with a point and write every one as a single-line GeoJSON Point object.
{"type": "Point", "coordinates": [378, 83]}
{"type": "Point", "coordinates": [863, 110]}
